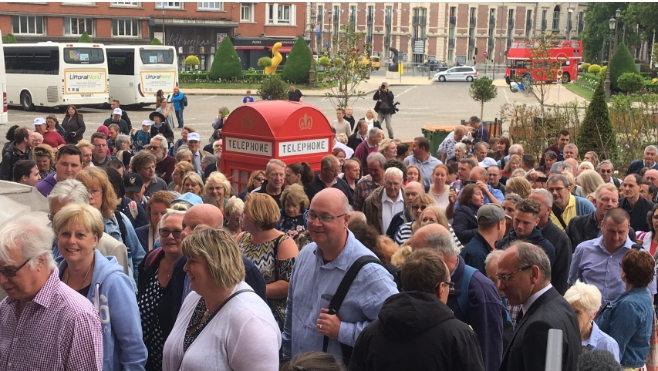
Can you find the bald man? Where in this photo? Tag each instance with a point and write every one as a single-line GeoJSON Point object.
{"type": "Point", "coordinates": [211, 216]}
{"type": "Point", "coordinates": [411, 190]}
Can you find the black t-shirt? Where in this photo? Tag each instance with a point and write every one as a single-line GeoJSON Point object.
{"type": "Point", "coordinates": [294, 96]}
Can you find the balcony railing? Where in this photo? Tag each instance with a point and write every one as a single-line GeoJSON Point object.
{"type": "Point", "coordinates": [451, 43]}
{"type": "Point", "coordinates": [419, 21]}
{"type": "Point", "coordinates": [453, 21]}
{"type": "Point", "coordinates": [492, 22]}
{"type": "Point", "coordinates": [369, 19]}
{"type": "Point", "coordinates": [510, 23]}
{"type": "Point", "coordinates": [472, 22]}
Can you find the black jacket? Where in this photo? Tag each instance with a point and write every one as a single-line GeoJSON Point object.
{"type": "Point", "coordinates": [124, 117]}
{"type": "Point", "coordinates": [416, 331]}
{"type": "Point", "coordinates": [318, 184]}
{"type": "Point", "coordinates": [585, 227]}
{"type": "Point", "coordinates": [397, 220]}
{"type": "Point", "coordinates": [562, 245]}
{"type": "Point", "coordinates": [388, 97]}
{"type": "Point", "coordinates": [10, 158]}
{"type": "Point", "coordinates": [353, 141]}
{"type": "Point", "coordinates": [636, 167]}
{"type": "Point", "coordinates": [535, 238]}
{"type": "Point", "coordinates": [638, 213]}
{"type": "Point", "coordinates": [71, 125]}
{"type": "Point", "coordinates": [465, 223]}
{"type": "Point", "coordinates": [165, 130]}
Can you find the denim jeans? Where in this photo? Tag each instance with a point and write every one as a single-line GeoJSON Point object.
{"type": "Point", "coordinates": [179, 118]}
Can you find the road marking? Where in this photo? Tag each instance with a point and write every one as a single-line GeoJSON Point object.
{"type": "Point", "coordinates": [505, 93]}
{"type": "Point", "coordinates": [406, 90]}
{"type": "Point", "coordinates": [214, 96]}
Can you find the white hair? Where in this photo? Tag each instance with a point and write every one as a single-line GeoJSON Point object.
{"type": "Point", "coordinates": [31, 239]}
{"type": "Point", "coordinates": [168, 214]}
{"type": "Point", "coordinates": [162, 139]}
{"type": "Point", "coordinates": [515, 148]}
{"type": "Point", "coordinates": [588, 164]}
{"type": "Point", "coordinates": [548, 197]}
{"type": "Point", "coordinates": [70, 191]}
{"type": "Point", "coordinates": [443, 242]}
{"type": "Point", "coordinates": [395, 171]}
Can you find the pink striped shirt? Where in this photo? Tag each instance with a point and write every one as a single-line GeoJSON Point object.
{"type": "Point", "coordinates": [57, 330]}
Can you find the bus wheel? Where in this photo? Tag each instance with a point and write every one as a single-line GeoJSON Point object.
{"type": "Point", "coordinates": [566, 78]}
{"type": "Point", "coordinates": [26, 101]}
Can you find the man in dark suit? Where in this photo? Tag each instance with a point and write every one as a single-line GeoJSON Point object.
{"type": "Point", "coordinates": [359, 135]}
{"type": "Point", "coordinates": [524, 274]}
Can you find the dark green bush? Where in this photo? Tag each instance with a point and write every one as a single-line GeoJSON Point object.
{"type": "Point", "coordinates": [596, 133]}
{"type": "Point", "coordinates": [9, 39]}
{"type": "Point", "coordinates": [84, 38]}
{"type": "Point", "coordinates": [630, 82]}
{"type": "Point", "coordinates": [273, 88]}
{"type": "Point", "coordinates": [298, 63]}
{"type": "Point", "coordinates": [226, 65]}
{"type": "Point", "coordinates": [621, 62]}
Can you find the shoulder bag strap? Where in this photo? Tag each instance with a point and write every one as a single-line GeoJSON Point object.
{"type": "Point", "coordinates": [559, 217]}
{"type": "Point", "coordinates": [122, 226]}
{"type": "Point", "coordinates": [462, 299]}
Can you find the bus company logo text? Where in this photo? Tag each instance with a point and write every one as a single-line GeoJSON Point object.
{"type": "Point", "coordinates": [73, 76]}
{"type": "Point", "coordinates": [157, 77]}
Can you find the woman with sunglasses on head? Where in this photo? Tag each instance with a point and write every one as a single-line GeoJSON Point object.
{"type": "Point", "coordinates": [155, 290]}
{"type": "Point", "coordinates": [256, 180]}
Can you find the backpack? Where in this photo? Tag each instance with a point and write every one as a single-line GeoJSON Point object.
{"type": "Point", "coordinates": [184, 100]}
{"type": "Point", "coordinates": [337, 300]}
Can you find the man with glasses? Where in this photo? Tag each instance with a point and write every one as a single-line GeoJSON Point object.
{"type": "Point", "coordinates": [606, 169]}
{"type": "Point", "coordinates": [319, 269]}
{"type": "Point", "coordinates": [493, 178]}
{"type": "Point", "coordinates": [328, 178]}
{"type": "Point", "coordinates": [524, 275]}
{"type": "Point", "coordinates": [385, 202]}
{"type": "Point", "coordinates": [164, 164]}
{"type": "Point", "coordinates": [478, 306]}
{"type": "Point", "coordinates": [565, 205]}
{"type": "Point", "coordinates": [143, 163]}
{"type": "Point", "coordinates": [115, 118]}
{"type": "Point", "coordinates": [411, 190]}
{"type": "Point", "coordinates": [46, 324]}
{"type": "Point", "coordinates": [99, 155]}
{"type": "Point", "coordinates": [598, 262]}
{"type": "Point", "coordinates": [434, 338]}
{"type": "Point", "coordinates": [67, 166]}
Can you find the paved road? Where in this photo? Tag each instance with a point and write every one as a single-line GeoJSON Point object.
{"type": "Point", "coordinates": [436, 104]}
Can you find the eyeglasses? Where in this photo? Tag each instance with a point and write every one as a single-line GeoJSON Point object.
{"type": "Point", "coordinates": [166, 232]}
{"type": "Point", "coordinates": [605, 170]}
{"type": "Point", "coordinates": [506, 277]}
{"type": "Point", "coordinates": [95, 192]}
{"type": "Point", "coordinates": [418, 207]}
{"type": "Point", "coordinates": [260, 180]}
{"type": "Point", "coordinates": [311, 217]}
{"type": "Point", "coordinates": [153, 148]}
{"type": "Point", "coordinates": [12, 272]}
{"type": "Point", "coordinates": [558, 189]}
{"type": "Point", "coordinates": [451, 285]}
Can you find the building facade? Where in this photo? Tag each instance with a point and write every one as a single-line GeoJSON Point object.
{"type": "Point", "coordinates": [452, 32]}
{"type": "Point", "coordinates": [194, 28]}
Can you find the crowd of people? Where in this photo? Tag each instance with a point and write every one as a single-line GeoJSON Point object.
{"type": "Point", "coordinates": [388, 257]}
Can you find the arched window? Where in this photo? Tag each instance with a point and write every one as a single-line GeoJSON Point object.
{"type": "Point", "coordinates": [556, 18]}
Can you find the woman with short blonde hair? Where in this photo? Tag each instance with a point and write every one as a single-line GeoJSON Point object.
{"type": "Point", "coordinates": [589, 180]}
{"type": "Point", "coordinates": [192, 182]}
{"type": "Point", "coordinates": [180, 169]}
{"type": "Point", "coordinates": [219, 188]}
{"type": "Point", "coordinates": [519, 186]}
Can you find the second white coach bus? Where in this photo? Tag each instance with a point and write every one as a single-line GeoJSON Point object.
{"type": "Point", "coordinates": [137, 72]}
{"type": "Point", "coordinates": [56, 75]}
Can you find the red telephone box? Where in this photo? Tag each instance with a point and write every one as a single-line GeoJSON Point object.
{"type": "Point", "coordinates": [256, 132]}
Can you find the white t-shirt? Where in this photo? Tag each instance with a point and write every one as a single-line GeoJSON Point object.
{"type": "Point", "coordinates": [242, 336]}
{"type": "Point", "coordinates": [441, 200]}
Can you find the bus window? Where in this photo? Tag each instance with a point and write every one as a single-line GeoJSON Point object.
{"type": "Point", "coordinates": [29, 60]}
{"type": "Point", "coordinates": [157, 56]}
{"type": "Point", "coordinates": [121, 62]}
{"type": "Point", "coordinates": [84, 55]}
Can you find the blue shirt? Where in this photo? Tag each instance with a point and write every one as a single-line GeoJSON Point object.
{"type": "Point", "coordinates": [599, 340]}
{"type": "Point", "coordinates": [426, 168]}
{"type": "Point", "coordinates": [312, 285]}
{"type": "Point", "coordinates": [594, 265]}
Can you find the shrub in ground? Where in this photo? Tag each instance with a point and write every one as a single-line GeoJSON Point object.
{"type": "Point", "coordinates": [273, 88]}
{"type": "Point", "coordinates": [596, 133]}
{"type": "Point", "coordinates": [227, 64]}
{"type": "Point", "coordinates": [621, 62]}
{"type": "Point", "coordinates": [595, 68]}
{"type": "Point", "coordinates": [298, 63]}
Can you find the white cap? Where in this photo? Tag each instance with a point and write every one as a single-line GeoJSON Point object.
{"type": "Point", "coordinates": [488, 161]}
{"type": "Point", "coordinates": [117, 111]}
{"type": "Point", "coordinates": [39, 121]}
{"type": "Point", "coordinates": [147, 123]}
{"type": "Point", "coordinates": [193, 136]}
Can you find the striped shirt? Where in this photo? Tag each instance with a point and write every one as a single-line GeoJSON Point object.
{"type": "Point", "coordinates": [57, 330]}
{"type": "Point", "coordinates": [404, 233]}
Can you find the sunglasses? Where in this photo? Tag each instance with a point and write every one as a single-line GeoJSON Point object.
{"type": "Point", "coordinates": [164, 233]}
{"type": "Point", "coordinates": [260, 179]}
{"type": "Point", "coordinates": [12, 272]}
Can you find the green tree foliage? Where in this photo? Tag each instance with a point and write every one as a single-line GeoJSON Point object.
{"type": "Point", "coordinates": [630, 82]}
{"type": "Point", "coordinates": [227, 64]}
{"type": "Point", "coordinates": [9, 39]}
{"type": "Point", "coordinates": [621, 62]}
{"type": "Point", "coordinates": [585, 66]}
{"type": "Point", "coordinates": [325, 61]}
{"type": "Point", "coordinates": [595, 68]}
{"type": "Point", "coordinates": [596, 133]}
{"type": "Point", "coordinates": [84, 38]}
{"type": "Point", "coordinates": [273, 88]}
{"type": "Point", "coordinates": [191, 61]}
{"type": "Point", "coordinates": [596, 36]}
{"type": "Point", "coordinates": [643, 13]}
{"type": "Point", "coordinates": [344, 71]}
{"type": "Point", "coordinates": [264, 62]}
{"type": "Point", "coordinates": [156, 41]}
{"type": "Point", "coordinates": [603, 71]}
{"type": "Point", "coordinates": [482, 90]}
{"type": "Point", "coordinates": [298, 63]}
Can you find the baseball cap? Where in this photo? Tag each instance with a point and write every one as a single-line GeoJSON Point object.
{"type": "Point", "coordinates": [488, 161]}
{"type": "Point", "coordinates": [133, 182]}
{"type": "Point", "coordinates": [39, 121]}
{"type": "Point", "coordinates": [190, 198]}
{"type": "Point", "coordinates": [193, 136]}
{"type": "Point", "coordinates": [147, 123]}
{"type": "Point", "coordinates": [117, 111]}
{"type": "Point", "coordinates": [490, 213]}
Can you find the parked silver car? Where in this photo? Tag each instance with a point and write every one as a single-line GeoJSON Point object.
{"type": "Point", "coordinates": [459, 73]}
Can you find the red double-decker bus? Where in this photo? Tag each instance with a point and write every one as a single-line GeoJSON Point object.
{"type": "Point", "coordinates": [559, 60]}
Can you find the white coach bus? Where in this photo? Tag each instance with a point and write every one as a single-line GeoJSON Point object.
{"type": "Point", "coordinates": [57, 75]}
{"type": "Point", "coordinates": [3, 86]}
{"type": "Point", "coordinates": [137, 72]}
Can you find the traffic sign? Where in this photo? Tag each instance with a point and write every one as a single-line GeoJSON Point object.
{"type": "Point", "coordinates": [485, 54]}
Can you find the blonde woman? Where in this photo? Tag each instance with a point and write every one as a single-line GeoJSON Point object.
{"type": "Point", "coordinates": [511, 165]}
{"type": "Point", "coordinates": [193, 183]}
{"type": "Point", "coordinates": [519, 186]}
{"type": "Point", "coordinates": [180, 170]}
{"type": "Point", "coordinates": [389, 149]}
{"type": "Point", "coordinates": [371, 120]}
{"type": "Point", "coordinates": [219, 188]}
{"type": "Point", "coordinates": [589, 181]}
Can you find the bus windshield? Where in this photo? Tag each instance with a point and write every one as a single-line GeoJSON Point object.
{"type": "Point", "coordinates": [84, 55]}
{"type": "Point", "coordinates": [157, 56]}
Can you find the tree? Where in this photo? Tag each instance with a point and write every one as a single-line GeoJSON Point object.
{"type": "Point", "coordinates": [264, 62]}
{"type": "Point", "coordinates": [227, 63]}
{"type": "Point", "coordinates": [630, 82]}
{"type": "Point", "coordinates": [273, 88]}
{"type": "Point", "coordinates": [298, 63]}
{"type": "Point", "coordinates": [621, 62]}
{"type": "Point", "coordinates": [344, 72]}
{"type": "Point", "coordinates": [644, 14]}
{"type": "Point", "coordinates": [596, 36]}
{"type": "Point", "coordinates": [84, 38]}
{"type": "Point", "coordinates": [482, 90]}
{"type": "Point", "coordinates": [596, 133]}
{"type": "Point", "coordinates": [156, 41]}
{"type": "Point", "coordinates": [192, 61]}
{"type": "Point", "coordinates": [545, 67]}
{"type": "Point", "coordinates": [9, 39]}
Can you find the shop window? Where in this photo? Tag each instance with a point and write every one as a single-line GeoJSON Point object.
{"type": "Point", "coordinates": [125, 27]}
{"type": "Point", "coordinates": [77, 26]}
{"type": "Point", "coordinates": [27, 25]}
{"type": "Point", "coordinates": [246, 12]}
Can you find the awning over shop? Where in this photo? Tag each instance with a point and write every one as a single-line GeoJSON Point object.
{"type": "Point", "coordinates": [249, 47]}
{"type": "Point", "coordinates": [283, 49]}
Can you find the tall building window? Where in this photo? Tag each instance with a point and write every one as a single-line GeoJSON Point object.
{"type": "Point", "coordinates": [77, 26]}
{"type": "Point", "coordinates": [246, 12]}
{"type": "Point", "coordinates": [556, 18]}
{"type": "Point", "coordinates": [207, 5]}
{"type": "Point", "coordinates": [169, 5]}
{"type": "Point", "coordinates": [280, 14]}
{"type": "Point", "coordinates": [125, 27]}
{"type": "Point", "coordinates": [27, 25]}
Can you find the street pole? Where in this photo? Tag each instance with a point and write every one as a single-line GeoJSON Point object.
{"type": "Point", "coordinates": [612, 24]}
{"type": "Point", "coordinates": [653, 42]}
{"type": "Point", "coordinates": [311, 71]}
{"type": "Point", "coordinates": [500, 32]}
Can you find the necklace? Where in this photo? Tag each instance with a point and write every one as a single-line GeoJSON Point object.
{"type": "Point", "coordinates": [68, 276]}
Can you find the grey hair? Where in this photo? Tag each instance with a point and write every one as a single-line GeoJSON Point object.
{"type": "Point", "coordinates": [70, 190]}
{"type": "Point", "coordinates": [168, 214]}
{"type": "Point", "coordinates": [372, 132]}
{"type": "Point", "coordinates": [514, 149]}
{"type": "Point", "coordinates": [162, 139]}
{"type": "Point", "coordinates": [518, 171]}
{"type": "Point", "coordinates": [357, 215]}
{"type": "Point", "coordinates": [493, 256]}
{"type": "Point", "coordinates": [565, 167]}
{"type": "Point", "coordinates": [529, 255]}
{"type": "Point", "coordinates": [395, 171]}
{"type": "Point", "coordinates": [575, 147]}
{"type": "Point", "coordinates": [376, 157]}
{"type": "Point", "coordinates": [31, 239]}
{"type": "Point", "coordinates": [121, 140]}
{"type": "Point", "coordinates": [36, 135]}
{"type": "Point", "coordinates": [588, 164]}
{"type": "Point", "coordinates": [273, 161]}
{"type": "Point", "coordinates": [443, 242]}
{"type": "Point", "coordinates": [605, 162]}
{"type": "Point", "coordinates": [209, 159]}
{"type": "Point", "coordinates": [651, 148]}
{"type": "Point", "coordinates": [182, 153]}
{"type": "Point", "coordinates": [461, 146]}
{"type": "Point", "coordinates": [548, 197]}
{"type": "Point", "coordinates": [559, 178]}
{"type": "Point", "coordinates": [328, 161]}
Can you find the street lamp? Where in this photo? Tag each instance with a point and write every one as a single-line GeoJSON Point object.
{"type": "Point", "coordinates": [612, 23]}
{"type": "Point", "coordinates": [311, 71]}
